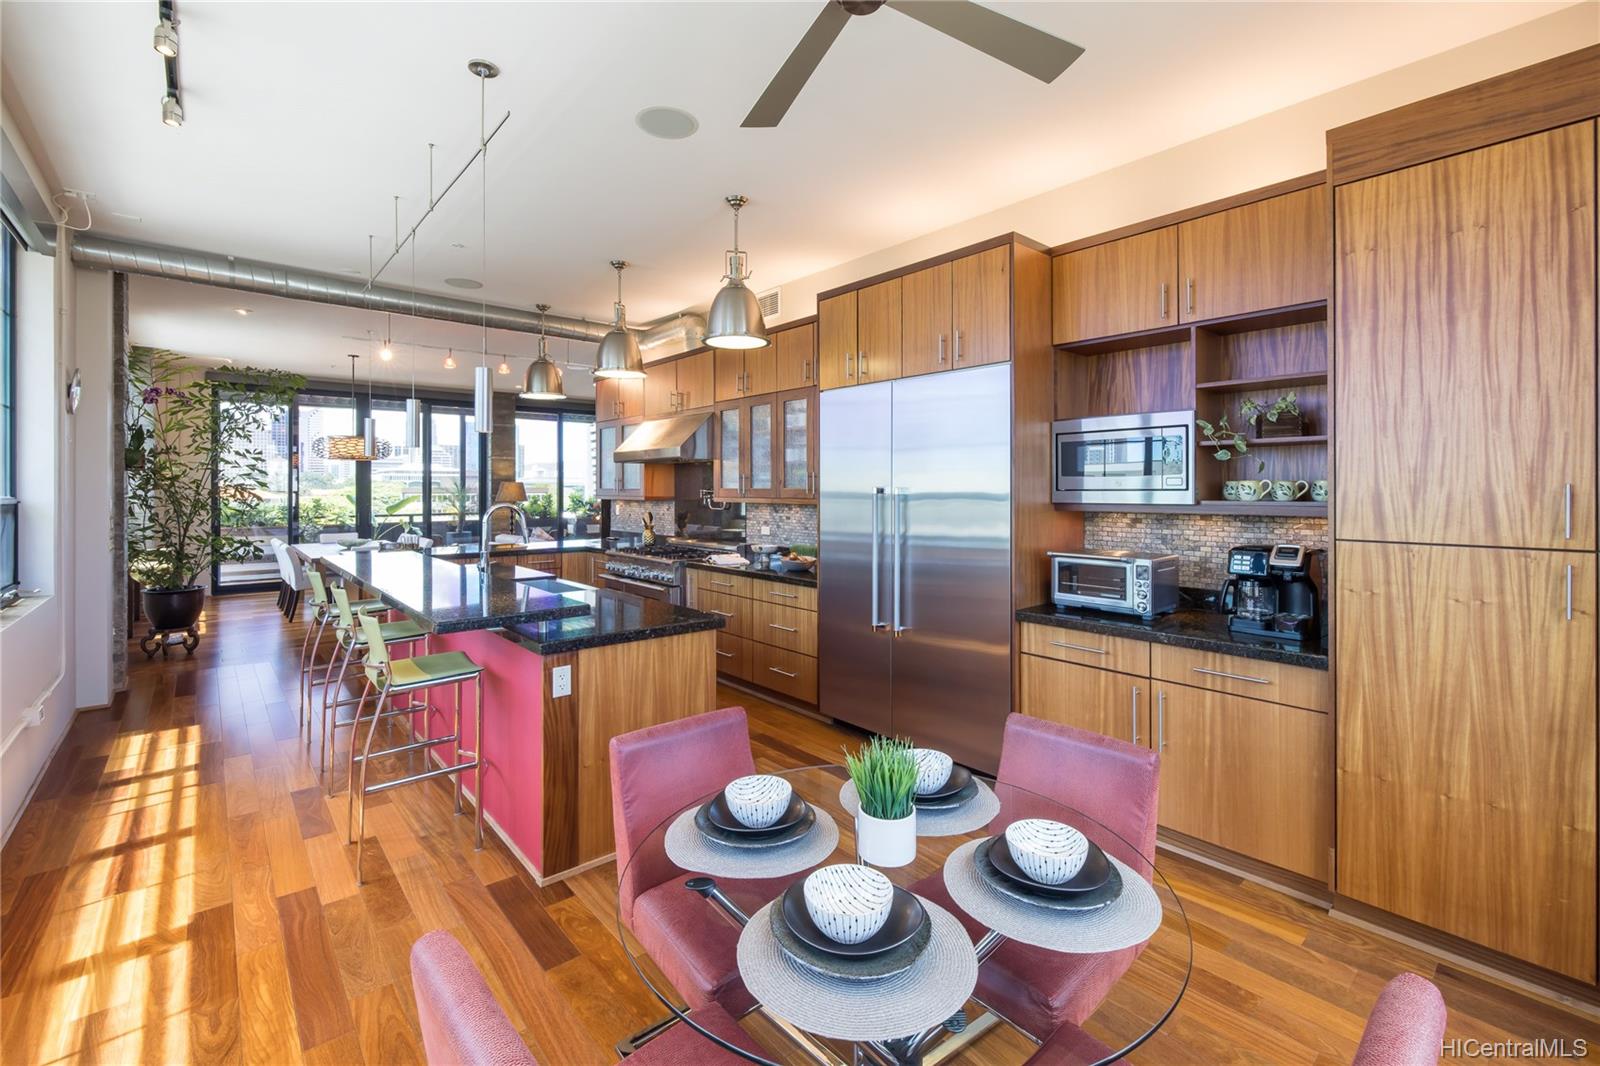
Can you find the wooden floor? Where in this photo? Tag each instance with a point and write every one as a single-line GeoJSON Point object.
{"type": "Point", "coordinates": [179, 890]}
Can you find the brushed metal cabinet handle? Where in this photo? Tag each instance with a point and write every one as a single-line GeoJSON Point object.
{"type": "Point", "coordinates": [782, 629]}
{"type": "Point", "coordinates": [1567, 506]}
{"type": "Point", "coordinates": [785, 673]}
{"type": "Point", "coordinates": [805, 371]}
{"type": "Point", "coordinates": [725, 654]}
{"type": "Point", "coordinates": [958, 346]}
{"type": "Point", "coordinates": [1161, 720]}
{"type": "Point", "coordinates": [725, 614]}
{"type": "Point", "coordinates": [721, 584]}
{"type": "Point", "coordinates": [1136, 714]}
{"type": "Point", "coordinates": [1078, 647]}
{"type": "Point", "coordinates": [784, 595]}
{"type": "Point", "coordinates": [1231, 677]}
{"type": "Point", "coordinates": [861, 364]}
{"type": "Point", "coordinates": [1188, 287]}
{"type": "Point", "coordinates": [877, 564]}
{"type": "Point", "coordinates": [1569, 592]}
{"type": "Point", "coordinates": [941, 349]}
{"type": "Point", "coordinates": [1163, 299]}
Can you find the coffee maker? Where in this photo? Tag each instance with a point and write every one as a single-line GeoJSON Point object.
{"type": "Point", "coordinates": [1273, 591]}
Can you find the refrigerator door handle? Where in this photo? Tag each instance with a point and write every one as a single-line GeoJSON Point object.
{"type": "Point", "coordinates": [896, 532]}
{"type": "Point", "coordinates": [877, 541]}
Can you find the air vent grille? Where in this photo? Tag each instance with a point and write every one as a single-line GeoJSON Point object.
{"type": "Point", "coordinates": [771, 302]}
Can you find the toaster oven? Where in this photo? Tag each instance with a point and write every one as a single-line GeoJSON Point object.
{"type": "Point", "coordinates": [1119, 581]}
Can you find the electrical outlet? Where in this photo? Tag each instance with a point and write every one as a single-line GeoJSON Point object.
{"type": "Point", "coordinates": [561, 681]}
{"type": "Point", "coordinates": [766, 531]}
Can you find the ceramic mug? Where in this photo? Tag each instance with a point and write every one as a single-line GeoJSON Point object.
{"type": "Point", "coordinates": [1245, 491]}
{"type": "Point", "coordinates": [1284, 491]}
{"type": "Point", "coordinates": [1230, 490]}
{"type": "Point", "coordinates": [1319, 491]}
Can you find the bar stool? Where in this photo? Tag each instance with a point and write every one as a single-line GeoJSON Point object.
{"type": "Point", "coordinates": [405, 676]}
{"type": "Point", "coordinates": [352, 637]}
{"type": "Point", "coordinates": [321, 611]}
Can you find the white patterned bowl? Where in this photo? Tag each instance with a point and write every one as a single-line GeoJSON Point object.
{"type": "Point", "coordinates": [933, 769]}
{"type": "Point", "coordinates": [758, 800]}
{"type": "Point", "coordinates": [849, 903]}
{"type": "Point", "coordinates": [1048, 852]}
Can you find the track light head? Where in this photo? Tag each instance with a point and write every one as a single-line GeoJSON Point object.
{"type": "Point", "coordinates": [171, 110]}
{"type": "Point", "coordinates": [165, 38]}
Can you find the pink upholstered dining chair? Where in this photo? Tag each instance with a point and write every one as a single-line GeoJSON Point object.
{"type": "Point", "coordinates": [463, 1025]}
{"type": "Point", "coordinates": [1112, 782]}
{"type": "Point", "coordinates": [1406, 1026]}
{"type": "Point", "coordinates": [655, 773]}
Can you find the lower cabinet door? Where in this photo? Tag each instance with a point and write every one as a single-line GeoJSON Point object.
{"type": "Point", "coordinates": [788, 672]}
{"type": "Point", "coordinates": [1112, 704]}
{"type": "Point", "coordinates": [1250, 776]}
{"type": "Point", "coordinates": [733, 656]}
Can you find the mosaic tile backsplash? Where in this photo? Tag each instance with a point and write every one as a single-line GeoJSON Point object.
{"type": "Point", "coordinates": [1200, 541]}
{"type": "Point", "coordinates": [791, 523]}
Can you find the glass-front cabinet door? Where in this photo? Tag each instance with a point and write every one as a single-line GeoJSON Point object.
{"type": "Point", "coordinates": [632, 473]}
{"type": "Point", "coordinates": [761, 476]}
{"type": "Point", "coordinates": [731, 445]}
{"type": "Point", "coordinates": [797, 444]}
{"type": "Point", "coordinates": [605, 452]}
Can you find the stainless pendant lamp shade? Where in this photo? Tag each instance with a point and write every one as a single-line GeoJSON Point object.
{"type": "Point", "coordinates": [413, 421]}
{"type": "Point", "coordinates": [543, 379]}
{"type": "Point", "coordinates": [482, 398]}
{"type": "Point", "coordinates": [735, 320]}
{"type": "Point", "coordinates": [619, 355]}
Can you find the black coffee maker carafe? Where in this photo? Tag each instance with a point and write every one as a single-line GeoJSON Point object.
{"type": "Point", "coordinates": [1274, 592]}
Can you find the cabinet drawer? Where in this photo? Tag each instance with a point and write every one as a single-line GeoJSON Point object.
{"type": "Point", "coordinates": [733, 655]}
{"type": "Point", "coordinates": [1111, 704]}
{"type": "Point", "coordinates": [802, 596]}
{"type": "Point", "coordinates": [735, 611]}
{"type": "Point", "coordinates": [725, 584]}
{"type": "Point", "coordinates": [788, 672]}
{"type": "Point", "coordinates": [1123, 654]}
{"type": "Point", "coordinates": [784, 627]}
{"type": "Point", "coordinates": [1297, 686]}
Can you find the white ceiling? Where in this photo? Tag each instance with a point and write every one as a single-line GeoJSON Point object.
{"type": "Point", "coordinates": [304, 120]}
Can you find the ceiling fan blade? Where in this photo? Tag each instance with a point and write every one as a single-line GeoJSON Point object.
{"type": "Point", "coordinates": [796, 70]}
{"type": "Point", "coordinates": [1030, 50]}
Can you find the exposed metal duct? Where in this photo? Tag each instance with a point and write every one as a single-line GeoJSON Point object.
{"type": "Point", "coordinates": [679, 333]}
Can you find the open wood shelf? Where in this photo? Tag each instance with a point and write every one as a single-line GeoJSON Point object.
{"type": "Point", "coordinates": [1268, 442]}
{"type": "Point", "coordinates": [1259, 507]}
{"type": "Point", "coordinates": [1270, 381]}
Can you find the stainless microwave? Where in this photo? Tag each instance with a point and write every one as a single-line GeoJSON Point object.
{"type": "Point", "coordinates": [1145, 458]}
{"type": "Point", "coordinates": [1119, 581]}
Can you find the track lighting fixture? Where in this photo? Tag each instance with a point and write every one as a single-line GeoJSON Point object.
{"type": "Point", "coordinates": [504, 367]}
{"type": "Point", "coordinates": [171, 110]}
{"type": "Point", "coordinates": [450, 359]}
{"type": "Point", "coordinates": [165, 39]}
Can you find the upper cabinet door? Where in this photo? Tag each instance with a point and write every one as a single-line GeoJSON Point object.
{"type": "Point", "coordinates": [761, 370]}
{"type": "Point", "coordinates": [1272, 253]}
{"type": "Point", "coordinates": [879, 343]}
{"type": "Point", "coordinates": [761, 453]}
{"type": "Point", "coordinates": [732, 446]}
{"type": "Point", "coordinates": [1465, 326]}
{"type": "Point", "coordinates": [729, 363]}
{"type": "Point", "coordinates": [1118, 287]}
{"type": "Point", "coordinates": [981, 307]}
{"type": "Point", "coordinates": [660, 390]}
{"type": "Point", "coordinates": [795, 357]}
{"type": "Point", "coordinates": [628, 397]}
{"type": "Point", "coordinates": [926, 339]}
{"type": "Point", "coordinates": [797, 444]}
{"type": "Point", "coordinates": [695, 381]}
{"type": "Point", "coordinates": [605, 399]}
{"type": "Point", "coordinates": [607, 439]}
{"type": "Point", "coordinates": [836, 340]}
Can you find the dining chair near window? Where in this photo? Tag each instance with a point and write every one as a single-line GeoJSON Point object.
{"type": "Point", "coordinates": [1108, 780]}
{"type": "Point", "coordinates": [463, 1024]}
{"type": "Point", "coordinates": [655, 773]}
{"type": "Point", "coordinates": [292, 581]}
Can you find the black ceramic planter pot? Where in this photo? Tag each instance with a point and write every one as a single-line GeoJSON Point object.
{"type": "Point", "coordinates": [168, 609]}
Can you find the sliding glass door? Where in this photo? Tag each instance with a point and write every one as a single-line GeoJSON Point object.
{"type": "Point", "coordinates": [453, 489]}
{"type": "Point", "coordinates": [325, 497]}
{"type": "Point", "coordinates": [264, 514]}
{"type": "Point", "coordinates": [394, 491]}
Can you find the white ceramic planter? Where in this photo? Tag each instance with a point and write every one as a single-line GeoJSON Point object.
{"type": "Point", "coordinates": [886, 842]}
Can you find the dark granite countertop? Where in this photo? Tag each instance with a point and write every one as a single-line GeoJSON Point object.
{"type": "Point", "coordinates": [1183, 628]}
{"type": "Point", "coordinates": [532, 547]}
{"type": "Point", "coordinates": [614, 618]}
{"type": "Point", "coordinates": [444, 596]}
{"type": "Point", "coordinates": [808, 578]}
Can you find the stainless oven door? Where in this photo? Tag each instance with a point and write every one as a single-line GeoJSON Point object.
{"type": "Point", "coordinates": [645, 589]}
{"type": "Point", "coordinates": [1092, 582]}
{"type": "Point", "coordinates": [1125, 459]}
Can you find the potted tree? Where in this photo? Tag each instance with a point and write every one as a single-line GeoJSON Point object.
{"type": "Point", "coordinates": [191, 441]}
{"type": "Point", "coordinates": [885, 775]}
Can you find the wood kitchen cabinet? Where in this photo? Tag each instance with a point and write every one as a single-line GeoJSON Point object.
{"type": "Point", "coordinates": [1262, 255]}
{"type": "Point", "coordinates": [1466, 336]}
{"type": "Point", "coordinates": [1466, 751]}
{"type": "Point", "coordinates": [795, 451]}
{"type": "Point", "coordinates": [746, 450]}
{"type": "Point", "coordinates": [878, 329]}
{"type": "Point", "coordinates": [1247, 775]}
{"type": "Point", "coordinates": [683, 384]}
{"type": "Point", "coordinates": [836, 340]}
{"type": "Point", "coordinates": [1101, 701]}
{"type": "Point", "coordinates": [794, 358]}
{"type": "Point", "coordinates": [925, 338]}
{"type": "Point", "coordinates": [745, 372]}
{"type": "Point", "coordinates": [627, 481]}
{"type": "Point", "coordinates": [1121, 286]}
{"type": "Point", "coordinates": [980, 308]}
{"type": "Point", "coordinates": [618, 398]}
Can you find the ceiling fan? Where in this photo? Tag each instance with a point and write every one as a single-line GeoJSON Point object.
{"type": "Point", "coordinates": [1030, 50]}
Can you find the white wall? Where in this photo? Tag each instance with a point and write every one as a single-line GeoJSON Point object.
{"type": "Point", "coordinates": [93, 491]}
{"type": "Point", "coordinates": [1279, 145]}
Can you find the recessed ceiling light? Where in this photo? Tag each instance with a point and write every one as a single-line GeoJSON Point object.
{"type": "Point", "coordinates": [457, 244]}
{"type": "Point", "coordinates": [243, 311]}
{"type": "Point", "coordinates": [353, 271]}
{"type": "Point", "coordinates": [463, 283]}
{"type": "Point", "coordinates": [668, 123]}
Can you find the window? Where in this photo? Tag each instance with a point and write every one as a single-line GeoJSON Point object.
{"type": "Point", "coordinates": [325, 503]}
{"type": "Point", "coordinates": [555, 461]}
{"type": "Point", "coordinates": [579, 492]}
{"type": "Point", "coordinates": [266, 514]}
{"type": "Point", "coordinates": [396, 489]}
{"type": "Point", "coordinates": [455, 452]}
{"type": "Point", "coordinates": [9, 578]}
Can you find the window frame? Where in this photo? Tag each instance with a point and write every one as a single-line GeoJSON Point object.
{"type": "Point", "coordinates": [9, 503]}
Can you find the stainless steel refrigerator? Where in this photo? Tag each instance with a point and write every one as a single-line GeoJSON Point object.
{"type": "Point", "coordinates": [915, 608]}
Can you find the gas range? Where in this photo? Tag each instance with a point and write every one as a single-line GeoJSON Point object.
{"type": "Point", "coordinates": [656, 570]}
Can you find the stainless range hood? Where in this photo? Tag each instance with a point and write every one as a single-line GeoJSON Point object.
{"type": "Point", "coordinates": [681, 439]}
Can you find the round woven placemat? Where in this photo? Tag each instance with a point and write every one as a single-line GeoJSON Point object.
{"type": "Point", "coordinates": [689, 848]}
{"type": "Point", "coordinates": [933, 989]}
{"type": "Point", "coordinates": [1130, 919]}
{"type": "Point", "coordinates": [972, 815]}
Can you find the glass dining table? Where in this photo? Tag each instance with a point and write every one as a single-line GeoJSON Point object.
{"type": "Point", "coordinates": [1138, 946]}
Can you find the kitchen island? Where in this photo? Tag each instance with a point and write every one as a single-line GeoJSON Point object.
{"type": "Point", "coordinates": [565, 668]}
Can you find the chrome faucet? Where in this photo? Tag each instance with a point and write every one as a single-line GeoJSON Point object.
{"type": "Point", "coordinates": [485, 537]}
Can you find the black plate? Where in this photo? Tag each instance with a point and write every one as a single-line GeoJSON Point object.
{"type": "Point", "coordinates": [983, 859]}
{"type": "Point", "coordinates": [717, 810]}
{"type": "Point", "coordinates": [765, 839]}
{"type": "Point", "coordinates": [871, 968]}
{"type": "Point", "coordinates": [960, 778]}
{"type": "Point", "coordinates": [1096, 870]}
{"type": "Point", "coordinates": [949, 802]}
{"type": "Point", "coordinates": [906, 917]}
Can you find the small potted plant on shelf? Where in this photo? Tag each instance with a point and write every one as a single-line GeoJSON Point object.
{"type": "Point", "coordinates": [1224, 441]}
{"type": "Point", "coordinates": [885, 775]}
{"type": "Point", "coordinates": [1280, 418]}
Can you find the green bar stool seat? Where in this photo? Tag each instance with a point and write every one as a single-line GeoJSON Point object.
{"type": "Point", "coordinates": [322, 611]}
{"type": "Point", "coordinates": [353, 638]}
{"type": "Point", "coordinates": [400, 676]}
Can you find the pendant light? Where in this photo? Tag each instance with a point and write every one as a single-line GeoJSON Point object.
{"type": "Point", "coordinates": [543, 379]}
{"type": "Point", "coordinates": [358, 448]}
{"type": "Point", "coordinates": [735, 319]}
{"type": "Point", "coordinates": [619, 355]}
{"type": "Point", "coordinates": [450, 359]}
{"type": "Point", "coordinates": [504, 367]}
{"type": "Point", "coordinates": [482, 384]}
